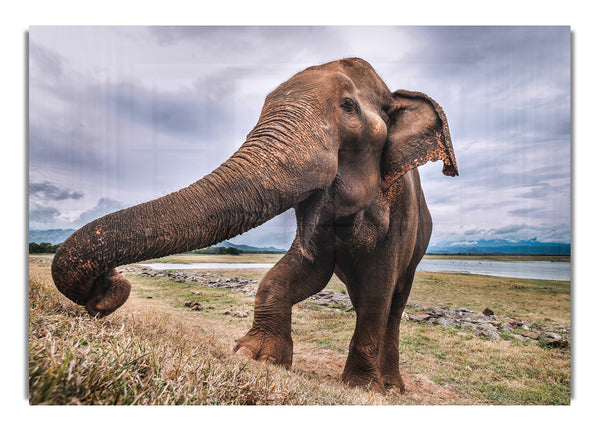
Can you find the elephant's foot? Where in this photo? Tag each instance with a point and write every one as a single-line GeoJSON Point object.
{"type": "Point", "coordinates": [262, 346]}
{"type": "Point", "coordinates": [394, 382]}
{"type": "Point", "coordinates": [369, 381]}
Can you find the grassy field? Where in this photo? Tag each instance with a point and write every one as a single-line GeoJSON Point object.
{"type": "Point", "coordinates": [154, 350]}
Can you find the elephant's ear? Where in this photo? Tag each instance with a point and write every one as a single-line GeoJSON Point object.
{"type": "Point", "coordinates": [417, 133]}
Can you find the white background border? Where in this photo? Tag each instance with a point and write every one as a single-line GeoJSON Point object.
{"type": "Point", "coordinates": [16, 19]}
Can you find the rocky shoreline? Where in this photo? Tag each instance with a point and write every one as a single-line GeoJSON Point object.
{"type": "Point", "coordinates": [484, 324]}
{"type": "Point", "coordinates": [487, 324]}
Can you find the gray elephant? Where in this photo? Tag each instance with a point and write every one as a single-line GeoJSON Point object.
{"type": "Point", "coordinates": [338, 146]}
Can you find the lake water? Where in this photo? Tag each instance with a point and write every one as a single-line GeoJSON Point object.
{"type": "Point", "coordinates": [535, 269]}
{"type": "Point", "coordinates": [539, 270]}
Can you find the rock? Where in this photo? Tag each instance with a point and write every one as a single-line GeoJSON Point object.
{"type": "Point", "coordinates": [487, 327]}
{"type": "Point", "coordinates": [555, 340]}
{"type": "Point", "coordinates": [196, 306]}
{"type": "Point", "coordinates": [525, 325]}
{"type": "Point", "coordinates": [518, 337]}
{"type": "Point", "coordinates": [328, 297]}
{"type": "Point", "coordinates": [226, 312]}
{"type": "Point", "coordinates": [530, 334]}
{"type": "Point", "coordinates": [447, 323]}
{"type": "Point", "coordinates": [419, 317]}
{"type": "Point", "coordinates": [240, 314]}
{"type": "Point", "coordinates": [489, 333]}
{"type": "Point", "coordinates": [467, 325]}
{"type": "Point", "coordinates": [488, 312]}
{"type": "Point", "coordinates": [480, 317]}
{"type": "Point", "coordinates": [505, 327]}
{"type": "Point", "coordinates": [437, 311]}
{"type": "Point", "coordinates": [493, 335]}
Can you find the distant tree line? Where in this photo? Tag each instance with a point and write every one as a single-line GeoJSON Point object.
{"type": "Point", "coordinates": [216, 250]}
{"type": "Point", "coordinates": [44, 247]}
{"type": "Point", "coordinates": [230, 250]}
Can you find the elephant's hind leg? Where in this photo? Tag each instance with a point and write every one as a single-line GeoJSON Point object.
{"type": "Point", "coordinates": [362, 368]}
{"type": "Point", "coordinates": [291, 280]}
{"type": "Point", "coordinates": [389, 355]}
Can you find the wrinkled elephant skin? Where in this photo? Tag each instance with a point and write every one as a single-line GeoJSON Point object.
{"type": "Point", "coordinates": [338, 146]}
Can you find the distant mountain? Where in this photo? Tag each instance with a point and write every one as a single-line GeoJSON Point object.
{"type": "Point", "coordinates": [52, 236]}
{"type": "Point", "coordinates": [499, 246]}
{"type": "Point", "coordinates": [245, 247]}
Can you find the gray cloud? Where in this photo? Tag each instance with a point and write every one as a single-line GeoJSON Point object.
{"type": "Point", "coordinates": [553, 233]}
{"type": "Point", "coordinates": [49, 191]}
{"type": "Point", "coordinates": [474, 232]}
{"type": "Point", "coordinates": [48, 62]}
{"type": "Point", "coordinates": [473, 45]}
{"type": "Point", "coordinates": [103, 207]}
{"type": "Point", "coordinates": [43, 214]}
{"type": "Point", "coordinates": [510, 229]}
{"type": "Point", "coordinates": [187, 113]}
{"type": "Point", "coordinates": [252, 45]}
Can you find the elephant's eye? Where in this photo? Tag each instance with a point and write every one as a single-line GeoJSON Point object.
{"type": "Point", "coordinates": [349, 105]}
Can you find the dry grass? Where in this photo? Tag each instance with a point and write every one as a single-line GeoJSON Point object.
{"type": "Point", "coordinates": [148, 354]}
{"type": "Point", "coordinates": [156, 351]}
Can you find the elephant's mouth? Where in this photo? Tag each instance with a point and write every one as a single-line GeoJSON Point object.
{"type": "Point", "coordinates": [309, 214]}
{"type": "Point", "coordinates": [322, 210]}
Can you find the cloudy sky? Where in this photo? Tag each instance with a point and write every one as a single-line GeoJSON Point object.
{"type": "Point", "coordinates": [122, 115]}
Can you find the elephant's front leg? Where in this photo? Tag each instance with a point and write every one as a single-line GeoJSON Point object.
{"type": "Point", "coordinates": [291, 280]}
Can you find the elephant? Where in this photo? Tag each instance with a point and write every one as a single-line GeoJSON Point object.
{"type": "Point", "coordinates": [332, 142]}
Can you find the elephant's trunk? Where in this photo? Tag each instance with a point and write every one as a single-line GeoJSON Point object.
{"type": "Point", "coordinates": [266, 176]}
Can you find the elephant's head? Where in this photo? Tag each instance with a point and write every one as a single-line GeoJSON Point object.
{"type": "Point", "coordinates": [326, 142]}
